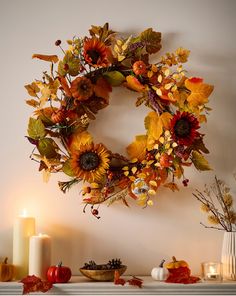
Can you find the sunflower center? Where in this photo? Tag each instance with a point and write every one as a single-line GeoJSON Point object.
{"type": "Point", "coordinates": [182, 127]}
{"type": "Point", "coordinates": [94, 55]}
{"type": "Point", "coordinates": [89, 161]}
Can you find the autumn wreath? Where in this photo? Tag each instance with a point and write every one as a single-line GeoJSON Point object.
{"type": "Point", "coordinates": [77, 86]}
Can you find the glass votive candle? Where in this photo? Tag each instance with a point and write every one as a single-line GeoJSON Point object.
{"type": "Point", "coordinates": [212, 271]}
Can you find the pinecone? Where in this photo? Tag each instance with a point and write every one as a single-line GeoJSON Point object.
{"type": "Point", "coordinates": [91, 265]}
{"type": "Point", "coordinates": [114, 264]}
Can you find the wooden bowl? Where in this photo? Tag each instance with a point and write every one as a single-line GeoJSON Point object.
{"type": "Point", "coordinates": [104, 275]}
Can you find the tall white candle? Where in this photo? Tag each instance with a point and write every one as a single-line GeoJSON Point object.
{"type": "Point", "coordinates": [39, 255]}
{"type": "Point", "coordinates": [23, 228]}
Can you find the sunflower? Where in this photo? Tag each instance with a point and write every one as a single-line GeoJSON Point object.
{"type": "Point", "coordinates": [96, 53]}
{"type": "Point", "coordinates": [90, 162]}
{"type": "Point", "coordinates": [81, 88]}
{"type": "Point", "coordinates": [183, 128]}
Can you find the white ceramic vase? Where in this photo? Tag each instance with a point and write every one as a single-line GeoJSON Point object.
{"type": "Point", "coordinates": [228, 256]}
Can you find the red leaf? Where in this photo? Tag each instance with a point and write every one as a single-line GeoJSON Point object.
{"type": "Point", "coordinates": [33, 283]}
{"type": "Point", "coordinates": [136, 282]}
{"type": "Point", "coordinates": [117, 279]}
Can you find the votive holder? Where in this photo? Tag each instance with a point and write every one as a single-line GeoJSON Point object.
{"type": "Point", "coordinates": [212, 271]}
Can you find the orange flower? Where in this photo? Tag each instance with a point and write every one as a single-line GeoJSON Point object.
{"type": "Point", "coordinates": [96, 53]}
{"type": "Point", "coordinates": [90, 162]}
{"type": "Point", "coordinates": [81, 88]}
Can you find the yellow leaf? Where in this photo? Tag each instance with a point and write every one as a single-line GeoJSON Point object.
{"type": "Point", "coordinates": [199, 91]}
{"type": "Point", "coordinates": [79, 138]}
{"type": "Point", "coordinates": [32, 89]}
{"type": "Point", "coordinates": [165, 119]}
{"type": "Point", "coordinates": [134, 170]}
{"type": "Point", "coordinates": [47, 58]}
{"type": "Point", "coordinates": [153, 183]}
{"type": "Point", "coordinates": [151, 192]}
{"type": "Point", "coordinates": [154, 125]}
{"type": "Point", "coordinates": [126, 173]}
{"type": "Point", "coordinates": [137, 149]}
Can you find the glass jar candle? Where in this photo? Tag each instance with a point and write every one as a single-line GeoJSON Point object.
{"type": "Point", "coordinates": [212, 271]}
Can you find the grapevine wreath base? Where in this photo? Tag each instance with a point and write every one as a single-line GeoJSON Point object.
{"type": "Point", "coordinates": [78, 85]}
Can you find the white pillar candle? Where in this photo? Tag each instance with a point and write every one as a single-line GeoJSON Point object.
{"type": "Point", "coordinates": [39, 255]}
{"type": "Point", "coordinates": [23, 228]}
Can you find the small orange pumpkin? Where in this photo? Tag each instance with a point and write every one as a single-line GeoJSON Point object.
{"type": "Point", "coordinates": [176, 264]}
{"type": "Point", "coordinates": [6, 271]}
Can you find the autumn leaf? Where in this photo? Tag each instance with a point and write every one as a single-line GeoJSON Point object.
{"type": "Point", "coordinates": [47, 58]}
{"type": "Point", "coordinates": [115, 78]}
{"type": "Point", "coordinates": [199, 91]}
{"type": "Point", "coordinates": [36, 129]}
{"type": "Point", "coordinates": [117, 279]}
{"type": "Point", "coordinates": [65, 86]}
{"type": "Point", "coordinates": [134, 84]}
{"type": "Point", "coordinates": [152, 40]}
{"type": "Point", "coordinates": [137, 149]}
{"type": "Point", "coordinates": [48, 148]}
{"type": "Point", "coordinates": [102, 88]}
{"type": "Point", "coordinates": [32, 283]}
{"type": "Point", "coordinates": [172, 186]}
{"type": "Point", "coordinates": [135, 281]}
{"type": "Point", "coordinates": [67, 169]}
{"type": "Point", "coordinates": [154, 127]}
{"type": "Point", "coordinates": [32, 89]}
{"type": "Point", "coordinates": [70, 64]}
{"type": "Point", "coordinates": [165, 119]}
{"type": "Point", "coordinates": [32, 103]}
{"type": "Point", "coordinates": [200, 162]}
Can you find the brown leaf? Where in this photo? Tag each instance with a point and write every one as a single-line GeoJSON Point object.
{"type": "Point", "coordinates": [135, 281]}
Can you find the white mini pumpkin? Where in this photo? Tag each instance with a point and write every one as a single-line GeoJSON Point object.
{"type": "Point", "coordinates": [159, 273]}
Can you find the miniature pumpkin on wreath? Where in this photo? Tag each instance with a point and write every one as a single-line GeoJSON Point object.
{"type": "Point", "coordinates": [78, 85]}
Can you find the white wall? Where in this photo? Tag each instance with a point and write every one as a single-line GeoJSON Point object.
{"type": "Point", "coordinates": [141, 238]}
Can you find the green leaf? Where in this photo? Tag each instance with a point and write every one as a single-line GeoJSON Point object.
{"type": "Point", "coordinates": [67, 169]}
{"type": "Point", "coordinates": [115, 78]}
{"type": "Point", "coordinates": [200, 162]}
{"type": "Point", "coordinates": [72, 65]}
{"type": "Point", "coordinates": [152, 40]}
{"type": "Point", "coordinates": [36, 129]}
{"type": "Point", "coordinates": [48, 148]}
{"type": "Point", "coordinates": [32, 89]}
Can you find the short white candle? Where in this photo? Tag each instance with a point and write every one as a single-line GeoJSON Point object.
{"type": "Point", "coordinates": [39, 255]}
{"type": "Point", "coordinates": [24, 227]}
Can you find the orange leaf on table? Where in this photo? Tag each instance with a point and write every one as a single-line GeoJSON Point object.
{"type": "Point", "coordinates": [135, 281]}
{"type": "Point", "coordinates": [199, 91]}
{"type": "Point", "coordinates": [117, 279]}
{"type": "Point", "coordinates": [33, 283]}
{"type": "Point", "coordinates": [47, 58]}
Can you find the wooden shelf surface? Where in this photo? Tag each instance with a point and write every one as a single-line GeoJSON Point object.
{"type": "Point", "coordinates": [82, 286]}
